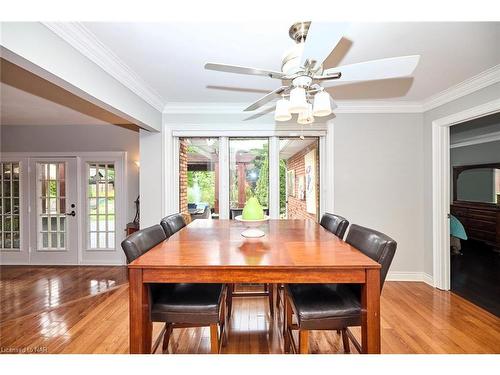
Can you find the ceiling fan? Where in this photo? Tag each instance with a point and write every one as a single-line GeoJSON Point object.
{"type": "Point", "coordinates": [303, 75]}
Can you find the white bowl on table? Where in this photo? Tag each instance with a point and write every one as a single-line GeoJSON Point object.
{"type": "Point", "coordinates": [252, 230]}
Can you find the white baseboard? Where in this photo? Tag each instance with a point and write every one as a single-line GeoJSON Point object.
{"type": "Point", "coordinates": [410, 276]}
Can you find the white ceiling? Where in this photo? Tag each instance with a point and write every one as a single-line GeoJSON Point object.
{"type": "Point", "coordinates": [170, 57]}
{"type": "Point", "coordinates": [290, 146]}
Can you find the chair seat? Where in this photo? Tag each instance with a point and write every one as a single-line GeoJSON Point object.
{"type": "Point", "coordinates": [326, 306]}
{"type": "Point", "coordinates": [186, 303]}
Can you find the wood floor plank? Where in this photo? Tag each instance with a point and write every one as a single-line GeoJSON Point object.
{"type": "Point", "coordinates": [85, 310]}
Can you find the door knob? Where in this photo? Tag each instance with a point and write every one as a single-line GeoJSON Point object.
{"type": "Point", "coordinates": [72, 213]}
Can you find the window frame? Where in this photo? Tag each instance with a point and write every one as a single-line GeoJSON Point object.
{"type": "Point", "coordinates": [86, 229]}
{"type": "Point", "coordinates": [20, 197]}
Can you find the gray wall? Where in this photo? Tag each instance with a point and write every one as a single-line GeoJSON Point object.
{"type": "Point", "coordinates": [382, 168]}
{"type": "Point", "coordinates": [472, 100]}
{"type": "Point", "coordinates": [77, 138]}
{"type": "Point", "coordinates": [379, 179]}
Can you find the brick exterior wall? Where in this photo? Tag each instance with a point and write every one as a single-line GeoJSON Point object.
{"type": "Point", "coordinates": [183, 188]}
{"type": "Point", "coordinates": [296, 207]}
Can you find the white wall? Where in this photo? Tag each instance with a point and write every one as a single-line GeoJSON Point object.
{"type": "Point", "coordinates": [78, 138]}
{"type": "Point", "coordinates": [151, 183]}
{"type": "Point", "coordinates": [378, 175]}
{"type": "Point", "coordinates": [479, 97]}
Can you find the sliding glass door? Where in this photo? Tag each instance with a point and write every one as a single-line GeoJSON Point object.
{"type": "Point", "coordinates": [218, 175]}
{"type": "Point", "coordinates": [199, 177]}
{"type": "Point", "coordinates": [248, 173]}
{"type": "Point", "coordinates": [299, 178]}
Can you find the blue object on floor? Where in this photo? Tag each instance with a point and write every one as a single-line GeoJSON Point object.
{"type": "Point", "coordinates": [457, 229]}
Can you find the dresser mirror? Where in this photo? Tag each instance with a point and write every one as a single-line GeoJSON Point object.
{"type": "Point", "coordinates": [477, 183]}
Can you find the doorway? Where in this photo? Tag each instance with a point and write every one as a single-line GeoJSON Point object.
{"type": "Point", "coordinates": [217, 175]}
{"type": "Point", "coordinates": [441, 172]}
{"type": "Point", "coordinates": [299, 178]}
{"type": "Point", "coordinates": [53, 220]}
{"type": "Point", "coordinates": [475, 211]}
{"type": "Point", "coordinates": [62, 209]}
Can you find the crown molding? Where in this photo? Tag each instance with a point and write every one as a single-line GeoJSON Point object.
{"type": "Point", "coordinates": [377, 106]}
{"type": "Point", "coordinates": [84, 41]}
{"type": "Point", "coordinates": [476, 140]}
{"type": "Point", "coordinates": [342, 107]}
{"type": "Point", "coordinates": [478, 82]}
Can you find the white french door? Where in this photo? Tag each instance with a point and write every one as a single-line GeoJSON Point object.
{"type": "Point", "coordinates": [58, 209]}
{"type": "Point", "coordinates": [103, 209]}
{"type": "Point", "coordinates": [53, 211]}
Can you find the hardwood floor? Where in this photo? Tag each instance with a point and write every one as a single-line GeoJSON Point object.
{"type": "Point", "coordinates": [85, 310]}
{"type": "Point", "coordinates": [475, 275]}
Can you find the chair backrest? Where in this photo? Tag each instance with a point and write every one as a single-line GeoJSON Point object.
{"type": "Point", "coordinates": [142, 241]}
{"type": "Point", "coordinates": [191, 206]}
{"type": "Point", "coordinates": [335, 224]}
{"type": "Point", "coordinates": [376, 245]}
{"type": "Point", "coordinates": [233, 212]}
{"type": "Point", "coordinates": [172, 224]}
{"type": "Point", "coordinates": [207, 213]}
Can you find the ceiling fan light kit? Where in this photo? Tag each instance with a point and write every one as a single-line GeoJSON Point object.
{"type": "Point", "coordinates": [303, 74]}
{"type": "Point", "coordinates": [322, 105]}
{"type": "Point", "coordinates": [298, 101]}
{"type": "Point", "coordinates": [306, 117]}
{"type": "Point", "coordinates": [282, 112]}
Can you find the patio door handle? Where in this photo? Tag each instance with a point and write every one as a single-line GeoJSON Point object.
{"type": "Point", "coordinates": [72, 213]}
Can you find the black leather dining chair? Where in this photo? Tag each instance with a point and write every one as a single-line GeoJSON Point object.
{"type": "Point", "coordinates": [179, 305]}
{"type": "Point", "coordinates": [172, 224]}
{"type": "Point", "coordinates": [335, 224]}
{"type": "Point", "coordinates": [335, 306]}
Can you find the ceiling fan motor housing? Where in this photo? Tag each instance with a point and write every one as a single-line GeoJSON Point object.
{"type": "Point", "coordinates": [302, 81]}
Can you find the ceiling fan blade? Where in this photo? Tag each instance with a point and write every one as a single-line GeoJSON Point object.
{"type": "Point", "coordinates": [244, 70]}
{"type": "Point", "coordinates": [321, 40]}
{"type": "Point", "coordinates": [392, 67]}
{"type": "Point", "coordinates": [266, 98]}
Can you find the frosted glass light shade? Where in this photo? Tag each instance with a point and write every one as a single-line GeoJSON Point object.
{"type": "Point", "coordinates": [306, 117]}
{"type": "Point", "coordinates": [282, 112]}
{"type": "Point", "coordinates": [298, 102]}
{"type": "Point", "coordinates": [322, 106]}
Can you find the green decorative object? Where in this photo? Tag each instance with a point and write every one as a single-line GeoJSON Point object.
{"type": "Point", "coordinates": [253, 210]}
{"type": "Point", "coordinates": [252, 217]}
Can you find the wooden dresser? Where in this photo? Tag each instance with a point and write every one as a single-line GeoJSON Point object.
{"type": "Point", "coordinates": [481, 221]}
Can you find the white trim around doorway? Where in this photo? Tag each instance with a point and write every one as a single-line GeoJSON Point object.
{"type": "Point", "coordinates": [441, 187]}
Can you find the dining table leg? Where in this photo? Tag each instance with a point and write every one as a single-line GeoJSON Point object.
{"type": "Point", "coordinates": [370, 300]}
{"type": "Point", "coordinates": [140, 323]}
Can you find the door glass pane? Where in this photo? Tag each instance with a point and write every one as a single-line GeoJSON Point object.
{"type": "Point", "coordinates": [199, 177]}
{"type": "Point", "coordinates": [299, 178]}
{"type": "Point", "coordinates": [9, 206]}
{"type": "Point", "coordinates": [100, 206]}
{"type": "Point", "coordinates": [51, 190]}
{"type": "Point", "coordinates": [248, 173]}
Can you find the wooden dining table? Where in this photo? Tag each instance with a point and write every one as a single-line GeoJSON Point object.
{"type": "Point", "coordinates": [291, 251]}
